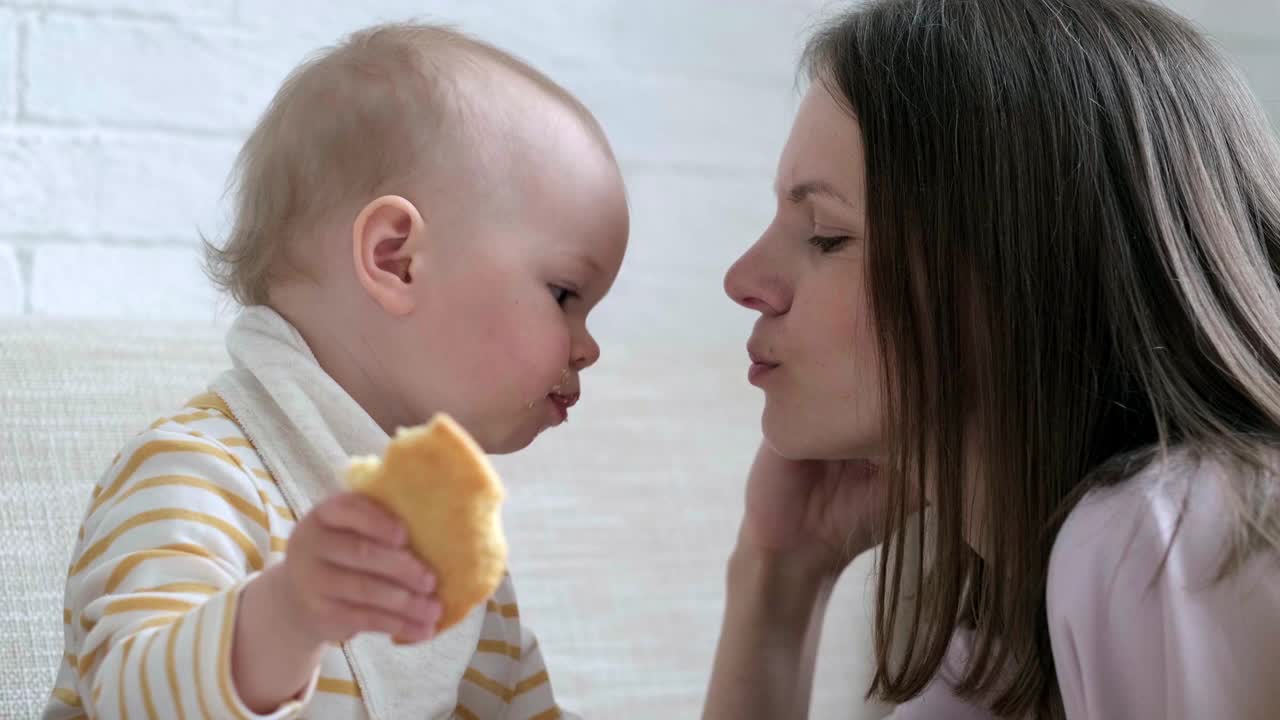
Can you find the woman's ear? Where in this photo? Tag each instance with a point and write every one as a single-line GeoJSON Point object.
{"type": "Point", "coordinates": [386, 237]}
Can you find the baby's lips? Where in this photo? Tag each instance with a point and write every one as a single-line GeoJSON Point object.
{"type": "Point", "coordinates": [566, 400]}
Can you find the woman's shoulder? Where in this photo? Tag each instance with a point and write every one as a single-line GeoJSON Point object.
{"type": "Point", "coordinates": [1140, 611]}
{"type": "Point", "coordinates": [1174, 512]}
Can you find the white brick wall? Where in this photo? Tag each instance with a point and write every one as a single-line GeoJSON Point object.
{"type": "Point", "coordinates": [11, 300]}
{"type": "Point", "coordinates": [8, 66]}
{"type": "Point", "coordinates": [159, 282]}
{"type": "Point", "coordinates": [119, 120]}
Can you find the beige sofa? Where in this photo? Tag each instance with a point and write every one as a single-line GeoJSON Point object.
{"type": "Point", "coordinates": [619, 522]}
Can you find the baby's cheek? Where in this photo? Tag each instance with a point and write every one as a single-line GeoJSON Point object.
{"type": "Point", "coordinates": [518, 364]}
{"type": "Point", "coordinates": [539, 342]}
{"type": "Point", "coordinates": [544, 364]}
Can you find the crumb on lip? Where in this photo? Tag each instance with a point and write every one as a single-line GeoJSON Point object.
{"type": "Point", "coordinates": [555, 389]}
{"type": "Point", "coordinates": [564, 377]}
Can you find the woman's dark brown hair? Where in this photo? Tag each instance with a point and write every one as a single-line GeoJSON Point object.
{"type": "Point", "coordinates": [1074, 236]}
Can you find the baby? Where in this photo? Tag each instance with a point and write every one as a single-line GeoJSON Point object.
{"type": "Point", "coordinates": [423, 223]}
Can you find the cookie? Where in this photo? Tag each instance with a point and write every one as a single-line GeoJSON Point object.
{"type": "Point", "coordinates": [440, 483]}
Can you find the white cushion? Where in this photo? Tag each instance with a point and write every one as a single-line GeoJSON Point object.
{"type": "Point", "coordinates": [620, 522]}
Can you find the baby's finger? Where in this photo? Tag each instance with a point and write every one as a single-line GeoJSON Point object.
{"type": "Point", "coordinates": [356, 553]}
{"type": "Point", "coordinates": [358, 514]}
{"type": "Point", "coordinates": [372, 592]}
{"type": "Point", "coordinates": [424, 631]}
{"type": "Point", "coordinates": [351, 618]}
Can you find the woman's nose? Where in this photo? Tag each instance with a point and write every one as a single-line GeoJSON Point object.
{"type": "Point", "coordinates": [747, 284]}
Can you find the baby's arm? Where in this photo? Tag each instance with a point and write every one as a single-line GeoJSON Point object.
{"type": "Point", "coordinates": [174, 531]}
{"type": "Point", "coordinates": [169, 606]}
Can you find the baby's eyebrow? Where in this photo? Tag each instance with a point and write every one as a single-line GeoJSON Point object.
{"type": "Point", "coordinates": [588, 262]}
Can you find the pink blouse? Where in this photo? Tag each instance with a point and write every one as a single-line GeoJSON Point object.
{"type": "Point", "coordinates": [1134, 640]}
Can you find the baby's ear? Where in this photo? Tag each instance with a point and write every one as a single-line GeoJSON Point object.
{"type": "Point", "coordinates": [386, 235]}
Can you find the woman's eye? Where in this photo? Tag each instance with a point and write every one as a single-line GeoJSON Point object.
{"type": "Point", "coordinates": [829, 243]}
{"type": "Point", "coordinates": [562, 295]}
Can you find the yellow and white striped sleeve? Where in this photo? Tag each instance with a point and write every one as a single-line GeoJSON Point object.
{"type": "Point", "coordinates": [174, 531]}
{"type": "Point", "coordinates": [532, 697]}
{"type": "Point", "coordinates": [506, 677]}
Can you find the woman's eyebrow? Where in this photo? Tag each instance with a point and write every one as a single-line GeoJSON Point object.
{"type": "Point", "coordinates": [803, 190]}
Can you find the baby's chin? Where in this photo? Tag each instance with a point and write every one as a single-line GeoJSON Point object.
{"type": "Point", "coordinates": [509, 440]}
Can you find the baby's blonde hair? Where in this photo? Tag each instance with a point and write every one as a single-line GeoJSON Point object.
{"type": "Point", "coordinates": [370, 113]}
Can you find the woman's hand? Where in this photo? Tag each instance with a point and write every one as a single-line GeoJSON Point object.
{"type": "Point", "coordinates": [817, 515]}
{"type": "Point", "coordinates": [804, 522]}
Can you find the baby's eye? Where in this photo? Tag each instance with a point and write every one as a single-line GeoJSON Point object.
{"type": "Point", "coordinates": [562, 295]}
{"type": "Point", "coordinates": [827, 243]}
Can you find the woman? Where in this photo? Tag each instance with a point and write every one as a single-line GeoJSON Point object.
{"type": "Point", "coordinates": [1023, 275]}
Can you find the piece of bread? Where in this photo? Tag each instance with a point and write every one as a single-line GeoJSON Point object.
{"type": "Point", "coordinates": [440, 483]}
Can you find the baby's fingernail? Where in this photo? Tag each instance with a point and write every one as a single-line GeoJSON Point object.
{"type": "Point", "coordinates": [422, 632]}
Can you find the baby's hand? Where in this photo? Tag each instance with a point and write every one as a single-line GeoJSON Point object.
{"type": "Point", "coordinates": [349, 570]}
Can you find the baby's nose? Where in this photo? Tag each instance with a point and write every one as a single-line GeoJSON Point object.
{"type": "Point", "coordinates": [585, 352]}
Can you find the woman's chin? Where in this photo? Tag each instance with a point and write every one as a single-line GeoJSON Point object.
{"type": "Point", "coordinates": [793, 445]}
{"type": "Point", "coordinates": [794, 441]}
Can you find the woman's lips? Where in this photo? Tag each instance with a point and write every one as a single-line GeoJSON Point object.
{"type": "Point", "coordinates": [761, 364]}
{"type": "Point", "coordinates": [758, 371]}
